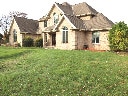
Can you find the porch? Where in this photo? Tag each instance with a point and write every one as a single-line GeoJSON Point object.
{"type": "Point", "coordinates": [49, 40]}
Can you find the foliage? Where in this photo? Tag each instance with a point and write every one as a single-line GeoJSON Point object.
{"type": "Point", "coordinates": [39, 42]}
{"type": "Point", "coordinates": [40, 72]}
{"type": "Point", "coordinates": [118, 37]}
{"type": "Point", "coordinates": [1, 39]}
{"type": "Point", "coordinates": [1, 36]}
{"type": "Point", "coordinates": [6, 20]}
{"type": "Point", "coordinates": [28, 42]}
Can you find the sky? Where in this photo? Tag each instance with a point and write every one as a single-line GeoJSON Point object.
{"type": "Point", "coordinates": [115, 10]}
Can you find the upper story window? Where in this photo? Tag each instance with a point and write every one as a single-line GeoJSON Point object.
{"type": "Point", "coordinates": [95, 37]}
{"type": "Point", "coordinates": [65, 35]}
{"type": "Point", "coordinates": [56, 18]}
{"type": "Point", "coordinates": [45, 23]}
{"type": "Point", "coordinates": [15, 35]}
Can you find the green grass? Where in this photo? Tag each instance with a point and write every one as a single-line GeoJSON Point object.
{"type": "Point", "coordinates": [40, 72]}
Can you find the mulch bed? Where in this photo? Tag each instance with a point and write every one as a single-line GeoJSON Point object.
{"type": "Point", "coordinates": [122, 53]}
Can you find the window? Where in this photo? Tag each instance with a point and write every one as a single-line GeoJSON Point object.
{"type": "Point", "coordinates": [45, 23]}
{"type": "Point", "coordinates": [95, 37]}
{"type": "Point", "coordinates": [15, 35]}
{"type": "Point", "coordinates": [56, 18]}
{"type": "Point", "coordinates": [65, 35]}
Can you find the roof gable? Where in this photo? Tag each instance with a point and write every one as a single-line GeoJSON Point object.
{"type": "Point", "coordinates": [27, 25]}
{"type": "Point", "coordinates": [78, 23]}
{"type": "Point", "coordinates": [75, 22]}
{"type": "Point", "coordinates": [66, 8]}
{"type": "Point", "coordinates": [73, 13]}
{"type": "Point", "coordinates": [98, 22]}
{"type": "Point", "coordinates": [77, 9]}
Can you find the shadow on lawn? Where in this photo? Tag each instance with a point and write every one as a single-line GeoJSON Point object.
{"type": "Point", "coordinates": [13, 55]}
{"type": "Point", "coordinates": [4, 66]}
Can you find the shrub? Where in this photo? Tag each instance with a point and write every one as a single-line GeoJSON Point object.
{"type": "Point", "coordinates": [118, 37]}
{"type": "Point", "coordinates": [39, 42]}
{"type": "Point", "coordinates": [28, 42]}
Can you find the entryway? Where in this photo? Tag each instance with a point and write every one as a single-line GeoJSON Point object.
{"type": "Point", "coordinates": [53, 39]}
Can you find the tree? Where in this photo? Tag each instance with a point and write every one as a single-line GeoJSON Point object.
{"type": "Point", "coordinates": [118, 37]}
{"type": "Point", "coordinates": [6, 20]}
{"type": "Point", "coordinates": [1, 36]}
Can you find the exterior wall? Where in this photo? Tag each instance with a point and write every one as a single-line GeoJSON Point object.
{"type": "Point", "coordinates": [71, 37]}
{"type": "Point", "coordinates": [85, 17]}
{"type": "Point", "coordinates": [81, 39]}
{"type": "Point", "coordinates": [76, 39]}
{"type": "Point", "coordinates": [103, 42]}
{"type": "Point", "coordinates": [85, 38]}
{"type": "Point", "coordinates": [51, 20]}
{"type": "Point", "coordinates": [41, 26]}
{"type": "Point", "coordinates": [19, 36]}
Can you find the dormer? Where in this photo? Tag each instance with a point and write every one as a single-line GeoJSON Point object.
{"type": "Point", "coordinates": [43, 22]}
{"type": "Point", "coordinates": [85, 16]}
{"type": "Point", "coordinates": [84, 11]}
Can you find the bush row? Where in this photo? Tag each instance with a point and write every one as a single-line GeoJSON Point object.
{"type": "Point", "coordinates": [29, 42]}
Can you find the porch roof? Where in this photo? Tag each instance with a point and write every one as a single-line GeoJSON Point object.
{"type": "Point", "coordinates": [49, 29]}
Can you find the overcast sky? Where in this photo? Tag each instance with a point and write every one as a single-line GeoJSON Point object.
{"type": "Point", "coordinates": [115, 10]}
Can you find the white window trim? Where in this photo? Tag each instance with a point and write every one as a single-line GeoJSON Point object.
{"type": "Point", "coordinates": [56, 18]}
{"type": "Point", "coordinates": [66, 35]}
{"type": "Point", "coordinates": [95, 38]}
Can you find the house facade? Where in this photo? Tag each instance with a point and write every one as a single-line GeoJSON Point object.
{"type": "Point", "coordinates": [76, 26]}
{"type": "Point", "coordinates": [68, 27]}
{"type": "Point", "coordinates": [22, 27]}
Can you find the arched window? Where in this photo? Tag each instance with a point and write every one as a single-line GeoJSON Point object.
{"type": "Point", "coordinates": [15, 35]}
{"type": "Point", "coordinates": [56, 18]}
{"type": "Point", "coordinates": [65, 35]}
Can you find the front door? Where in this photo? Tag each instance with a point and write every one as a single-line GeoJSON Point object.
{"type": "Point", "coordinates": [53, 39]}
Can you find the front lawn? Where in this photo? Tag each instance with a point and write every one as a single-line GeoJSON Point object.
{"type": "Point", "coordinates": [40, 72]}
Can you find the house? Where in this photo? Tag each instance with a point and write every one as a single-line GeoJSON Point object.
{"type": "Point", "coordinates": [76, 26]}
{"type": "Point", "coordinates": [22, 27]}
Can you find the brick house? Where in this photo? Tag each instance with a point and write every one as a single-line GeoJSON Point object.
{"type": "Point", "coordinates": [66, 27]}
{"type": "Point", "coordinates": [76, 26]}
{"type": "Point", "coordinates": [22, 27]}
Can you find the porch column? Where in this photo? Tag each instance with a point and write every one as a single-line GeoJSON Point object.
{"type": "Point", "coordinates": [44, 39]}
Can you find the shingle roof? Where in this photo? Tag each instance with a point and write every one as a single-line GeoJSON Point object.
{"type": "Point", "coordinates": [98, 22]}
{"type": "Point", "coordinates": [50, 28]}
{"type": "Point", "coordinates": [27, 25]}
{"type": "Point", "coordinates": [77, 9]}
{"type": "Point", "coordinates": [83, 8]}
{"type": "Point", "coordinates": [73, 12]}
{"type": "Point", "coordinates": [66, 8]}
{"type": "Point", "coordinates": [78, 23]}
